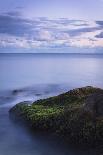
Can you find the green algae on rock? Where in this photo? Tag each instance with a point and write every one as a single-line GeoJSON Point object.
{"type": "Point", "coordinates": [75, 115]}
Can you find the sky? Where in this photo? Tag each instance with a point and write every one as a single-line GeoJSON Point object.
{"type": "Point", "coordinates": [73, 9]}
{"type": "Point", "coordinates": [32, 24]}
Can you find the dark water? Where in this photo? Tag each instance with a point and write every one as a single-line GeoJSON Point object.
{"type": "Point", "coordinates": [39, 76]}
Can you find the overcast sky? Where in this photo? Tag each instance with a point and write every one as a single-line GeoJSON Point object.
{"type": "Point", "coordinates": [73, 9]}
{"type": "Point", "coordinates": [51, 24]}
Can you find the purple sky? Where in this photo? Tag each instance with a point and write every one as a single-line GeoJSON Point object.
{"type": "Point", "coordinates": [73, 9]}
{"type": "Point", "coordinates": [68, 23]}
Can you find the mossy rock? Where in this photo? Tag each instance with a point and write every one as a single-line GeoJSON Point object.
{"type": "Point", "coordinates": [70, 115]}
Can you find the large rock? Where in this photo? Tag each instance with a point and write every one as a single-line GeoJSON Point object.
{"type": "Point", "coordinates": [76, 115]}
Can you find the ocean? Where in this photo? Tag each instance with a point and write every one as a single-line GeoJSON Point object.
{"type": "Point", "coordinates": [71, 70]}
{"type": "Point", "coordinates": [28, 77]}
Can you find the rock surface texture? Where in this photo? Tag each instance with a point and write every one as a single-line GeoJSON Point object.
{"type": "Point", "coordinates": [76, 115]}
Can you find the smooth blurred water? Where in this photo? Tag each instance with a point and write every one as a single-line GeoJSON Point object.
{"type": "Point", "coordinates": [72, 70]}
{"type": "Point", "coordinates": [36, 76]}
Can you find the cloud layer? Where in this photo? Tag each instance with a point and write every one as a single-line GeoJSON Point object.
{"type": "Point", "coordinates": [18, 32]}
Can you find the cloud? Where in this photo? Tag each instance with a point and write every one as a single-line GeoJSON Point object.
{"type": "Point", "coordinates": [15, 31]}
{"type": "Point", "coordinates": [45, 35]}
{"type": "Point", "coordinates": [12, 13]}
{"type": "Point", "coordinates": [100, 35]}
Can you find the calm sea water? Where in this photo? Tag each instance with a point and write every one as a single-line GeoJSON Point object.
{"type": "Point", "coordinates": [37, 76]}
{"type": "Point", "coordinates": [73, 70]}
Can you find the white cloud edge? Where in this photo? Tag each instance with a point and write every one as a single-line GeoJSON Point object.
{"type": "Point", "coordinates": [49, 39]}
